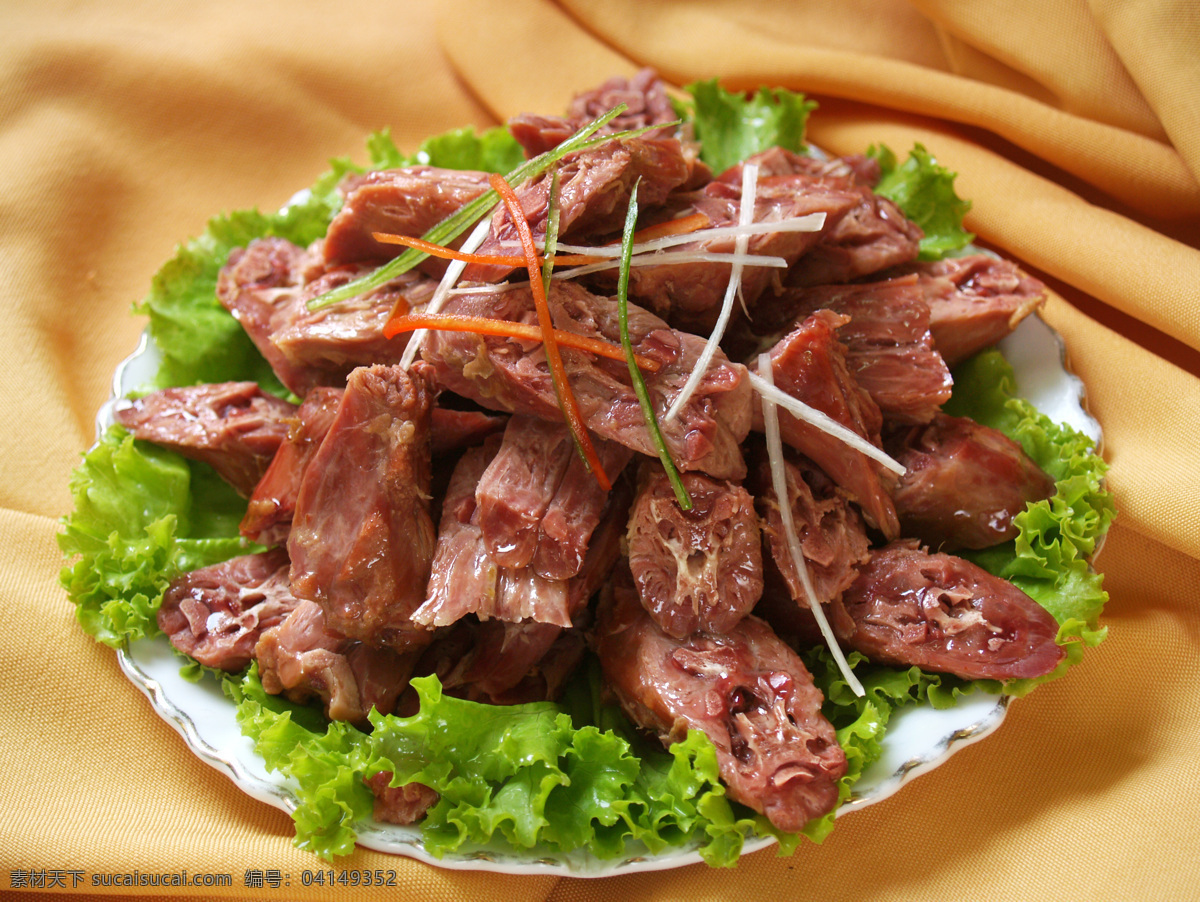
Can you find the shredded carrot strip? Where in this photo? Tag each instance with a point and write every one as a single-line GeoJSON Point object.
{"type": "Point", "coordinates": [445, 253]}
{"type": "Point", "coordinates": [566, 397]}
{"type": "Point", "coordinates": [482, 325]}
{"type": "Point", "coordinates": [681, 226]}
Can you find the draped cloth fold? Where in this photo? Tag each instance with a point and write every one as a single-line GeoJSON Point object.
{"type": "Point", "coordinates": [1074, 128]}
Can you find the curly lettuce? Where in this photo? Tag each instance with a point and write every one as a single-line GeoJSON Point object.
{"type": "Point", "coordinates": [924, 190]}
{"type": "Point", "coordinates": [732, 126]}
{"type": "Point", "coordinates": [572, 775]}
{"type": "Point", "coordinates": [141, 516]}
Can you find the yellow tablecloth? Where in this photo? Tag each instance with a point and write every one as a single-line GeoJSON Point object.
{"type": "Point", "coordinates": [1075, 129]}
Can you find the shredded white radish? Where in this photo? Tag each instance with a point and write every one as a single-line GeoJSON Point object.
{"type": "Point", "coordinates": [453, 271]}
{"type": "Point", "coordinates": [741, 243]}
{"type": "Point", "coordinates": [801, 411]}
{"type": "Point", "coordinates": [660, 258]}
{"type": "Point", "coordinates": [811, 222]}
{"type": "Point", "coordinates": [779, 483]}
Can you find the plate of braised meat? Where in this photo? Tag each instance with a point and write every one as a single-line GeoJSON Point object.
{"type": "Point", "coordinates": [578, 497]}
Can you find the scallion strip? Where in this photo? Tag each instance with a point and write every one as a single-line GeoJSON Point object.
{"type": "Point", "coordinates": [635, 374]}
{"type": "Point", "coordinates": [462, 218]}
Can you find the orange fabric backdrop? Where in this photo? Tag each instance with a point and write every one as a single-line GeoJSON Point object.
{"type": "Point", "coordinates": [1075, 129]}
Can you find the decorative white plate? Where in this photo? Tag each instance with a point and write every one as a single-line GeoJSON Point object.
{"type": "Point", "coordinates": [918, 739]}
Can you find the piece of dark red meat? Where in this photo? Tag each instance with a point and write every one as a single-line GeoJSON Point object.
{"type": "Point", "coordinates": [831, 533]}
{"type": "Point", "coordinates": [303, 658]}
{"type": "Point", "coordinates": [963, 483]}
{"type": "Point", "coordinates": [405, 804]}
{"type": "Point", "coordinates": [538, 504]}
{"type": "Point", "coordinates": [873, 236]}
{"type": "Point", "coordinates": [594, 187]}
{"type": "Point", "coordinates": [975, 301]}
{"type": "Point", "coordinates": [809, 364]}
{"type": "Point", "coordinates": [216, 614]}
{"type": "Point", "coordinates": [690, 294]}
{"type": "Point", "coordinates": [746, 690]}
{"type": "Point", "coordinates": [944, 614]}
{"type": "Point", "coordinates": [853, 169]}
{"type": "Point", "coordinates": [235, 427]}
{"type": "Point", "coordinates": [464, 578]}
{"type": "Point", "coordinates": [513, 375]}
{"type": "Point", "coordinates": [408, 201]}
{"type": "Point", "coordinates": [454, 430]}
{"type": "Point", "coordinates": [646, 104]}
{"type": "Point", "coordinates": [267, 285]}
{"type": "Point", "coordinates": [268, 517]}
{"type": "Point", "coordinates": [699, 569]}
{"type": "Point", "coordinates": [889, 346]}
{"type": "Point", "coordinates": [362, 536]}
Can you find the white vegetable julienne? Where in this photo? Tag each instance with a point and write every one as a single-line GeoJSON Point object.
{"type": "Point", "coordinates": [801, 411]}
{"type": "Point", "coordinates": [741, 243]}
{"type": "Point", "coordinates": [453, 271]}
{"type": "Point", "coordinates": [779, 483]}
{"type": "Point", "coordinates": [676, 257]}
{"type": "Point", "coordinates": [811, 222]}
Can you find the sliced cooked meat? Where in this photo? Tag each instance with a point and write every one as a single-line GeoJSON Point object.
{"type": "Point", "coordinates": [362, 536]}
{"type": "Point", "coordinates": [268, 517]}
{"type": "Point", "coordinates": [216, 614]}
{"type": "Point", "coordinates": [234, 427]}
{"type": "Point", "coordinates": [975, 301]}
{"type": "Point", "coordinates": [537, 503]}
{"type": "Point", "coordinates": [690, 294]}
{"type": "Point", "coordinates": [963, 483]}
{"type": "Point", "coordinates": [809, 363]}
{"type": "Point", "coordinates": [699, 569]}
{"type": "Point", "coordinates": [942, 613]}
{"type": "Point", "coordinates": [408, 201]}
{"type": "Point", "coordinates": [832, 536]}
{"type": "Point", "coordinates": [645, 98]}
{"type": "Point", "coordinates": [267, 285]}
{"type": "Point", "coordinates": [746, 690]}
{"type": "Point", "coordinates": [303, 658]}
{"type": "Point", "coordinates": [594, 188]}
{"type": "Point", "coordinates": [889, 346]}
{"type": "Point", "coordinates": [512, 375]}
{"type": "Point", "coordinates": [464, 577]}
{"type": "Point", "coordinates": [874, 236]}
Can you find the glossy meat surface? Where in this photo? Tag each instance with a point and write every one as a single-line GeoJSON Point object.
{"type": "Point", "coordinates": [303, 658]}
{"type": "Point", "coordinates": [537, 503]}
{"type": "Point", "coordinates": [963, 484]}
{"type": "Point", "coordinates": [267, 285]}
{"type": "Point", "coordinates": [975, 301]}
{"type": "Point", "coordinates": [511, 375]}
{"type": "Point", "coordinates": [362, 536]}
{"type": "Point", "coordinates": [699, 569]}
{"type": "Point", "coordinates": [889, 346]}
{"type": "Point", "coordinates": [942, 613]}
{"type": "Point", "coordinates": [746, 690]}
{"type": "Point", "coordinates": [216, 614]}
{"type": "Point", "coordinates": [809, 363]}
{"type": "Point", "coordinates": [235, 427]}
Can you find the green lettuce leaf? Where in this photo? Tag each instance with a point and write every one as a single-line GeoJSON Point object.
{"type": "Point", "coordinates": [138, 521]}
{"type": "Point", "coordinates": [924, 190]}
{"type": "Point", "coordinates": [198, 339]}
{"type": "Point", "coordinates": [493, 150]}
{"type": "Point", "coordinates": [1049, 558]}
{"type": "Point", "coordinates": [732, 127]}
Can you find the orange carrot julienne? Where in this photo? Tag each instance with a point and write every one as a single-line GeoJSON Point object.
{"type": "Point", "coordinates": [483, 325]}
{"type": "Point", "coordinates": [566, 398]}
{"type": "Point", "coordinates": [681, 226]}
{"type": "Point", "coordinates": [446, 253]}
